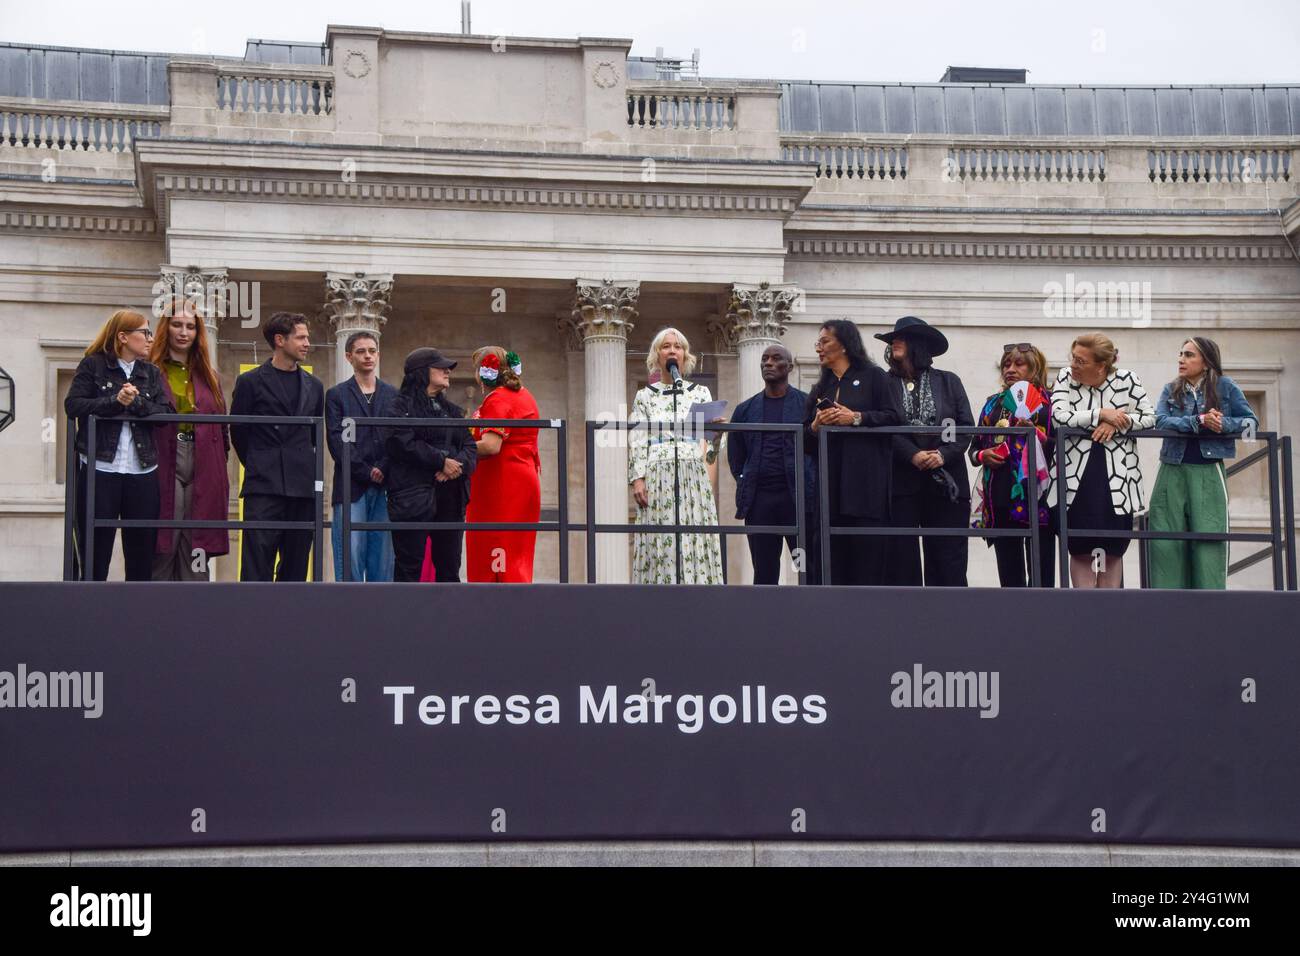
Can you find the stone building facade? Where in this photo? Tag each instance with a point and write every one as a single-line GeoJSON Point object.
{"type": "Point", "coordinates": [557, 198]}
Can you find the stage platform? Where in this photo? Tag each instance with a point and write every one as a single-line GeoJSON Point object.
{"type": "Point", "coordinates": [563, 723]}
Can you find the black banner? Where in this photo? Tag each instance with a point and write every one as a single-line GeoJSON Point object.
{"type": "Point", "coordinates": [164, 715]}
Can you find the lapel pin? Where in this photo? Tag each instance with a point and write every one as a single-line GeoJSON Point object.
{"type": "Point", "coordinates": [856, 383]}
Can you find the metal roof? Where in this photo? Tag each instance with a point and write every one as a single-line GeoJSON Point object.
{"type": "Point", "coordinates": [1020, 110]}
{"type": "Point", "coordinates": [65, 73]}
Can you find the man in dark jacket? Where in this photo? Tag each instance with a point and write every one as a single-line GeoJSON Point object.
{"type": "Point", "coordinates": [764, 463]}
{"type": "Point", "coordinates": [363, 395]}
{"type": "Point", "coordinates": [428, 468]}
{"type": "Point", "coordinates": [279, 460]}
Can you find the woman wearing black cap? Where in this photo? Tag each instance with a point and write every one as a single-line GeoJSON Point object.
{"type": "Point", "coordinates": [930, 486]}
{"type": "Point", "coordinates": [428, 468]}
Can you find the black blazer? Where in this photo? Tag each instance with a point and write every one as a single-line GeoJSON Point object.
{"type": "Point", "coordinates": [950, 402]}
{"type": "Point", "coordinates": [417, 453]}
{"type": "Point", "coordinates": [745, 448]}
{"type": "Point", "coordinates": [278, 459]}
{"type": "Point", "coordinates": [345, 400]}
{"type": "Point", "coordinates": [860, 468]}
{"type": "Point", "coordinates": [94, 390]}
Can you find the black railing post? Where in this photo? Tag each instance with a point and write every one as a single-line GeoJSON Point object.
{"type": "Point", "coordinates": [318, 530]}
{"type": "Point", "coordinates": [1144, 552]}
{"type": "Point", "coordinates": [88, 545]}
{"type": "Point", "coordinates": [562, 493]}
{"type": "Point", "coordinates": [345, 510]}
{"type": "Point", "coordinates": [801, 507]}
{"type": "Point", "coordinates": [590, 469]}
{"type": "Point", "coordinates": [70, 501]}
{"type": "Point", "coordinates": [1035, 546]}
{"type": "Point", "coordinates": [1288, 511]}
{"type": "Point", "coordinates": [1275, 512]}
{"type": "Point", "coordinates": [1062, 496]}
{"type": "Point", "coordinates": [824, 518]}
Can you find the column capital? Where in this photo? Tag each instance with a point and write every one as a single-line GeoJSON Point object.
{"type": "Point", "coordinates": [358, 300]}
{"type": "Point", "coordinates": [203, 288]}
{"type": "Point", "coordinates": [760, 312]}
{"type": "Point", "coordinates": [602, 308]}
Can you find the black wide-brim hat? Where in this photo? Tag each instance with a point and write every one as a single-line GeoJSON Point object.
{"type": "Point", "coordinates": [910, 325]}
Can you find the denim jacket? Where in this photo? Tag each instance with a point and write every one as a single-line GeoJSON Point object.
{"type": "Point", "coordinates": [1182, 416]}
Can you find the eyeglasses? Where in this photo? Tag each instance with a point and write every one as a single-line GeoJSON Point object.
{"type": "Point", "coordinates": [1017, 347]}
{"type": "Point", "coordinates": [148, 332]}
{"type": "Point", "coordinates": [1187, 353]}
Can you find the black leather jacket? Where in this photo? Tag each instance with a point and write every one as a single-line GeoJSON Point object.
{"type": "Point", "coordinates": [94, 392]}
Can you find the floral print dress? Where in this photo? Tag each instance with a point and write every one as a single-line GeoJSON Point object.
{"type": "Point", "coordinates": [651, 441]}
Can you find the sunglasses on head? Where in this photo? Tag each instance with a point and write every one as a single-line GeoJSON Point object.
{"type": "Point", "coordinates": [1017, 347]}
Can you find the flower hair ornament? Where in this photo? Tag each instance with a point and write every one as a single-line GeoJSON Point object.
{"type": "Point", "coordinates": [489, 368]}
{"type": "Point", "coordinates": [516, 366]}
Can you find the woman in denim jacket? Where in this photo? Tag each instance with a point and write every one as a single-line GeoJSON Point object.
{"type": "Point", "coordinates": [1191, 492]}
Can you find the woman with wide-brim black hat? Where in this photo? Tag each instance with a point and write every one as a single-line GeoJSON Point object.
{"type": "Point", "coordinates": [930, 488]}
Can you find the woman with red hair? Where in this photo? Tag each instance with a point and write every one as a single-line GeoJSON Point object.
{"type": "Point", "coordinates": [193, 482]}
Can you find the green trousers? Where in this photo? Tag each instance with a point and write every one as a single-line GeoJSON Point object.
{"type": "Point", "coordinates": [1189, 498]}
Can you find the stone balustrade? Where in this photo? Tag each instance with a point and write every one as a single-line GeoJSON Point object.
{"type": "Point", "coordinates": [68, 126]}
{"type": "Point", "coordinates": [265, 88]}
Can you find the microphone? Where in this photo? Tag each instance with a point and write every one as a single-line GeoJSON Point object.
{"type": "Point", "coordinates": [675, 372]}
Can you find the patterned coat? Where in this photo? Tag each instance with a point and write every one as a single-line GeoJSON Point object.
{"type": "Point", "coordinates": [1075, 405]}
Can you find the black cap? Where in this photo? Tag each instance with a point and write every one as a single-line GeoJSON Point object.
{"type": "Point", "coordinates": [426, 358]}
{"type": "Point", "coordinates": [911, 325]}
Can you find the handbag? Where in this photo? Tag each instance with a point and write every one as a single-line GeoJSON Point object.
{"type": "Point", "coordinates": [416, 503]}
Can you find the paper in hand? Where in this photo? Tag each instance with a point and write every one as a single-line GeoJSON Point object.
{"type": "Point", "coordinates": [702, 412]}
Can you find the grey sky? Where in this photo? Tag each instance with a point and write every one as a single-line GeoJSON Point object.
{"type": "Point", "coordinates": [1101, 41]}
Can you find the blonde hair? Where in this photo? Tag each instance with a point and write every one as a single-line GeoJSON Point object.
{"type": "Point", "coordinates": [508, 378]}
{"type": "Point", "coordinates": [652, 356]}
{"type": "Point", "coordinates": [1102, 348]}
{"type": "Point", "coordinates": [1036, 361]}
{"type": "Point", "coordinates": [123, 320]}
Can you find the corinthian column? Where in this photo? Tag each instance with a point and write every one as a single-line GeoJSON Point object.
{"type": "Point", "coordinates": [756, 318]}
{"type": "Point", "coordinates": [205, 289]}
{"type": "Point", "coordinates": [603, 313]}
{"type": "Point", "coordinates": [355, 302]}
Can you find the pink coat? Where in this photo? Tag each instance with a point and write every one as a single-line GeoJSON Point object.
{"type": "Point", "coordinates": [210, 500]}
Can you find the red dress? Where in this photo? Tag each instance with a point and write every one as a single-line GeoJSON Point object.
{"type": "Point", "coordinates": [506, 486]}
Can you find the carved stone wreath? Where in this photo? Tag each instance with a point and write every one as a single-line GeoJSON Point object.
{"type": "Point", "coordinates": [355, 64]}
{"type": "Point", "coordinates": [605, 74]}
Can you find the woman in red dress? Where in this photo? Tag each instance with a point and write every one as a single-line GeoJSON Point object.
{"type": "Point", "coordinates": [506, 485]}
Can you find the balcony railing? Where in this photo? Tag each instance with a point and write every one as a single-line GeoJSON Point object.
{"type": "Point", "coordinates": [1266, 164]}
{"type": "Point", "coordinates": [681, 107]}
{"type": "Point", "coordinates": [77, 126]}
{"type": "Point", "coordinates": [260, 88]}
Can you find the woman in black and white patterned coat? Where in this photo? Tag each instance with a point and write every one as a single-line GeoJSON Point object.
{"type": "Point", "coordinates": [1103, 479]}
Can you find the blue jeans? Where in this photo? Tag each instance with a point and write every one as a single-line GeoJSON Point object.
{"type": "Point", "coordinates": [372, 551]}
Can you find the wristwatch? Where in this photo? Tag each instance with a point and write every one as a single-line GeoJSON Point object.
{"type": "Point", "coordinates": [857, 419]}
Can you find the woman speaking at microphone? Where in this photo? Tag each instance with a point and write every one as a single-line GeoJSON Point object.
{"type": "Point", "coordinates": [662, 448]}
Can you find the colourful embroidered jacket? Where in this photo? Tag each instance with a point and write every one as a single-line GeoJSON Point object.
{"type": "Point", "coordinates": [1004, 410]}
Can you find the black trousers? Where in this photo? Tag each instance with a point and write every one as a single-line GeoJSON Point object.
{"type": "Point", "coordinates": [770, 506]}
{"type": "Point", "coordinates": [124, 497]}
{"type": "Point", "coordinates": [444, 552]}
{"type": "Point", "coordinates": [945, 557]}
{"type": "Point", "coordinates": [857, 558]}
{"type": "Point", "coordinates": [260, 549]}
{"type": "Point", "coordinates": [1013, 559]}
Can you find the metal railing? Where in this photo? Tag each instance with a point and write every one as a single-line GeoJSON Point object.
{"type": "Point", "coordinates": [1281, 503]}
{"type": "Point", "coordinates": [592, 528]}
{"type": "Point", "coordinates": [86, 551]}
{"type": "Point", "coordinates": [1277, 453]}
{"type": "Point", "coordinates": [561, 466]}
{"type": "Point", "coordinates": [1030, 531]}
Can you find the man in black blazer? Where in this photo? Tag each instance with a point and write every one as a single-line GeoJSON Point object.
{"type": "Point", "coordinates": [764, 463]}
{"type": "Point", "coordinates": [361, 395]}
{"type": "Point", "coordinates": [279, 460]}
